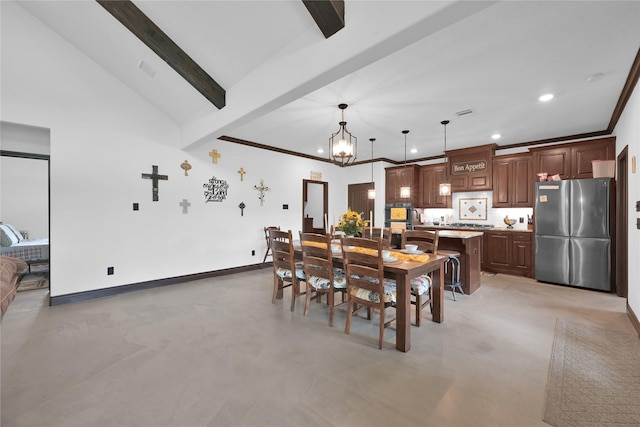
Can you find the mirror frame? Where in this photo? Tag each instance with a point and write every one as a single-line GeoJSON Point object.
{"type": "Point", "coordinates": [307, 226]}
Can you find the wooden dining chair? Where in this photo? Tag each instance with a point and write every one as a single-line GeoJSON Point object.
{"type": "Point", "coordinates": [286, 272]}
{"type": "Point", "coordinates": [321, 276]}
{"type": "Point", "coordinates": [266, 237]}
{"type": "Point", "coordinates": [427, 241]}
{"type": "Point", "coordinates": [366, 285]}
{"type": "Point", "coordinates": [383, 233]}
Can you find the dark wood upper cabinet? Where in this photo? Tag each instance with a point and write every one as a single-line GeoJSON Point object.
{"type": "Point", "coordinates": [470, 168]}
{"type": "Point", "coordinates": [401, 176]}
{"type": "Point", "coordinates": [573, 160]}
{"type": "Point", "coordinates": [512, 181]}
{"type": "Point", "coordinates": [430, 177]}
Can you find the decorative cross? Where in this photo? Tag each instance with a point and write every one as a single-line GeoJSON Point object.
{"type": "Point", "coordinates": [185, 205]}
{"type": "Point", "coordinates": [242, 172]}
{"type": "Point", "coordinates": [214, 155]}
{"type": "Point", "coordinates": [261, 190]}
{"type": "Point", "coordinates": [154, 177]}
{"type": "Point", "coordinates": [186, 166]}
{"type": "Point", "coordinates": [242, 206]}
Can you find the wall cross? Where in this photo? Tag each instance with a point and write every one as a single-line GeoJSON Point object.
{"type": "Point", "coordinates": [185, 205]}
{"type": "Point", "coordinates": [214, 155]}
{"type": "Point", "coordinates": [154, 177]}
{"type": "Point", "coordinates": [242, 172]}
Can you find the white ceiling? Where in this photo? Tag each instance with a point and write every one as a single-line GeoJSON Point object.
{"type": "Point", "coordinates": [399, 65]}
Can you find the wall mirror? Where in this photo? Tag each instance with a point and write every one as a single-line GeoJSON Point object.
{"type": "Point", "coordinates": [315, 206]}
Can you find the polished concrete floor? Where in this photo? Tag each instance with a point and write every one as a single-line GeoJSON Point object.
{"type": "Point", "coordinates": [217, 352]}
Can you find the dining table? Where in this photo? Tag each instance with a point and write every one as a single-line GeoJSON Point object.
{"type": "Point", "coordinates": [402, 268]}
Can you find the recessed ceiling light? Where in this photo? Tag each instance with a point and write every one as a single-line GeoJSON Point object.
{"type": "Point", "coordinates": [496, 136]}
{"type": "Point", "coordinates": [414, 150]}
{"type": "Point", "coordinates": [320, 150]}
{"type": "Point", "coordinates": [546, 97]}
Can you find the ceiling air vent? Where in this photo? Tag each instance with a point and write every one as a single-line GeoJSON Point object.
{"type": "Point", "coordinates": [463, 112]}
{"type": "Point", "coordinates": [148, 69]}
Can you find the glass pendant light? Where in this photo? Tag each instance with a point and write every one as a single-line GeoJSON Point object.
{"type": "Point", "coordinates": [343, 146]}
{"type": "Point", "coordinates": [371, 193]}
{"type": "Point", "coordinates": [405, 191]}
{"type": "Point", "coordinates": [445, 187]}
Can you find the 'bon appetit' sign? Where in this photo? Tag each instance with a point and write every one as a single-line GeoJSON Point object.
{"type": "Point", "coordinates": [469, 167]}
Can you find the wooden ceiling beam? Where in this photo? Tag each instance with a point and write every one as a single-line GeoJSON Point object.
{"type": "Point", "coordinates": [328, 14]}
{"type": "Point", "coordinates": [149, 33]}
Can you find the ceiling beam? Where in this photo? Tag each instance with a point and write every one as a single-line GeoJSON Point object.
{"type": "Point", "coordinates": [149, 33]}
{"type": "Point", "coordinates": [328, 14]}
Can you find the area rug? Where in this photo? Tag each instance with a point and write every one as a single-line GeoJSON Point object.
{"type": "Point", "coordinates": [594, 378]}
{"type": "Point", "coordinates": [32, 281]}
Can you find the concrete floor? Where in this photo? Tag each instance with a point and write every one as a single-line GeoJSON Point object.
{"type": "Point", "coordinates": [217, 352]}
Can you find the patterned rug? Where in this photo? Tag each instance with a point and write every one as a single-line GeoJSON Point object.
{"type": "Point", "coordinates": [32, 281]}
{"type": "Point", "coordinates": [594, 378]}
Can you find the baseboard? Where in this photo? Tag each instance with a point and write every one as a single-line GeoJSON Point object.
{"type": "Point", "coordinates": [116, 290]}
{"type": "Point", "coordinates": [634, 319]}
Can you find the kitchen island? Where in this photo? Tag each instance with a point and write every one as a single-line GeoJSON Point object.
{"type": "Point", "coordinates": [469, 244]}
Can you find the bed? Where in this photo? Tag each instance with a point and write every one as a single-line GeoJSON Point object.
{"type": "Point", "coordinates": [13, 244]}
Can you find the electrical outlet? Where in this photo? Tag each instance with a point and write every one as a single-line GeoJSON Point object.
{"type": "Point", "coordinates": [109, 271]}
{"type": "Point", "coordinates": [285, 206]}
{"type": "Point", "coordinates": [253, 253]}
{"type": "Point", "coordinates": [136, 207]}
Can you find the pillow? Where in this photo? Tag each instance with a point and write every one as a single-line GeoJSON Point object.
{"type": "Point", "coordinates": [7, 237]}
{"type": "Point", "coordinates": [16, 232]}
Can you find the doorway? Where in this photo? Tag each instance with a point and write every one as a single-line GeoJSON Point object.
{"type": "Point", "coordinates": [622, 226]}
{"type": "Point", "coordinates": [315, 206]}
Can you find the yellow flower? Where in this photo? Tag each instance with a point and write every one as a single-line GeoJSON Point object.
{"type": "Point", "coordinates": [351, 222]}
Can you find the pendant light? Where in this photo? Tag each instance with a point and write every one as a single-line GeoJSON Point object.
{"type": "Point", "coordinates": [343, 146]}
{"type": "Point", "coordinates": [445, 187]}
{"type": "Point", "coordinates": [371, 193]}
{"type": "Point", "coordinates": [405, 191]}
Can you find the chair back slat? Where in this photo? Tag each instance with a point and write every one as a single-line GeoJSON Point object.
{"type": "Point", "coordinates": [426, 240]}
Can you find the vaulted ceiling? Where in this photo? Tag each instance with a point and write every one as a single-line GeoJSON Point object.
{"type": "Point", "coordinates": [397, 64]}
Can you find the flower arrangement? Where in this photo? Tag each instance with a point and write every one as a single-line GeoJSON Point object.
{"type": "Point", "coordinates": [351, 223]}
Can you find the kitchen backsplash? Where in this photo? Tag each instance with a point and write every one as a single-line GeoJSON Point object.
{"type": "Point", "coordinates": [475, 208]}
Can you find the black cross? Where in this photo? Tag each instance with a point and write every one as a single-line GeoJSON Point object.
{"type": "Point", "coordinates": [154, 177]}
{"type": "Point", "coordinates": [242, 206]}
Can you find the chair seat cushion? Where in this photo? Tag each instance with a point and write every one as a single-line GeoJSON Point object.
{"type": "Point", "coordinates": [285, 273]}
{"type": "Point", "coordinates": [420, 285]}
{"type": "Point", "coordinates": [339, 280]}
{"type": "Point", "coordinates": [365, 294]}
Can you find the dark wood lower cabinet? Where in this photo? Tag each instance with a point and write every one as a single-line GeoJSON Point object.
{"type": "Point", "coordinates": [509, 252]}
{"type": "Point", "coordinates": [470, 250]}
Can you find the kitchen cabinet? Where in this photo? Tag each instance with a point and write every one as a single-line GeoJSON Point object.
{"type": "Point", "coordinates": [508, 252]}
{"type": "Point", "coordinates": [401, 176]}
{"type": "Point", "coordinates": [430, 177]}
{"type": "Point", "coordinates": [573, 160]}
{"type": "Point", "coordinates": [470, 169]}
{"type": "Point", "coordinates": [513, 181]}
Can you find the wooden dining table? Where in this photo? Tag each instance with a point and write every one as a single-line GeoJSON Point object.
{"type": "Point", "coordinates": [402, 271]}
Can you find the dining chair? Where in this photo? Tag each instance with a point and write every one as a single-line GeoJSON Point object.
{"type": "Point", "coordinates": [321, 276]}
{"type": "Point", "coordinates": [266, 237]}
{"type": "Point", "coordinates": [366, 285]}
{"type": "Point", "coordinates": [383, 233]}
{"type": "Point", "coordinates": [427, 241]}
{"type": "Point", "coordinates": [286, 271]}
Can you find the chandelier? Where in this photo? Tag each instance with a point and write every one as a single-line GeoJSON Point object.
{"type": "Point", "coordinates": [371, 193]}
{"type": "Point", "coordinates": [405, 191]}
{"type": "Point", "coordinates": [445, 187]}
{"type": "Point", "coordinates": [343, 146]}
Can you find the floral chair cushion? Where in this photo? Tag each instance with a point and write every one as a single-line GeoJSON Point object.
{"type": "Point", "coordinates": [285, 273]}
{"type": "Point", "coordinates": [339, 280]}
{"type": "Point", "coordinates": [389, 292]}
{"type": "Point", "coordinates": [420, 285]}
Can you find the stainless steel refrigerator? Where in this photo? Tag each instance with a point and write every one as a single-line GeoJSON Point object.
{"type": "Point", "coordinates": [572, 230]}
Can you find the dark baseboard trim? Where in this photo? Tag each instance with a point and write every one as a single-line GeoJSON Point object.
{"type": "Point", "coordinates": [116, 290]}
{"type": "Point", "coordinates": [634, 319]}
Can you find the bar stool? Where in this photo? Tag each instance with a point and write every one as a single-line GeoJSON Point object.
{"type": "Point", "coordinates": [454, 263]}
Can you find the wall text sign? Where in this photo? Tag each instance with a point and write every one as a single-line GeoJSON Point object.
{"type": "Point", "coordinates": [469, 167]}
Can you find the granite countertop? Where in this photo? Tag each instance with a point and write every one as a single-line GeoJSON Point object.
{"type": "Point", "coordinates": [459, 234]}
{"type": "Point", "coordinates": [448, 227]}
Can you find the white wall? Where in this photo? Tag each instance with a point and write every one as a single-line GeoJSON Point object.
{"type": "Point", "coordinates": [627, 133]}
{"type": "Point", "coordinates": [103, 137]}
